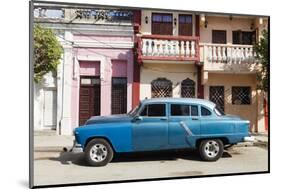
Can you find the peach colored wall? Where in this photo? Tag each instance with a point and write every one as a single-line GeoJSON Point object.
{"type": "Point", "coordinates": [224, 23]}
{"type": "Point", "coordinates": [248, 112]}
{"type": "Point", "coordinates": [104, 57]}
{"type": "Point", "coordinates": [173, 72]}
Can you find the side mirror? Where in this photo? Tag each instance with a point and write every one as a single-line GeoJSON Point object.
{"type": "Point", "coordinates": [138, 118]}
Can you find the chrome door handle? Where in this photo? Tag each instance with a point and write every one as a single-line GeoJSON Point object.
{"type": "Point", "coordinates": [194, 118]}
{"type": "Point", "coordinates": [164, 119]}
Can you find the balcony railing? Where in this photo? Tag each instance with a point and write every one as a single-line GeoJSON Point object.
{"type": "Point", "coordinates": [228, 58]}
{"type": "Point", "coordinates": [233, 54]}
{"type": "Point", "coordinates": [161, 47]}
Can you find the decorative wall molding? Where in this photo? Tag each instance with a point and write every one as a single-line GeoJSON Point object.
{"type": "Point", "coordinates": [103, 44]}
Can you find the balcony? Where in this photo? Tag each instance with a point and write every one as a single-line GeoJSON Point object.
{"type": "Point", "coordinates": [168, 48]}
{"type": "Point", "coordinates": [228, 58]}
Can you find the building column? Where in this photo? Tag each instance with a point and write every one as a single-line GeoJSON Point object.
{"type": "Point", "coordinates": [136, 72]}
{"type": "Point", "coordinates": [65, 89]}
{"type": "Point", "coordinates": [200, 87]}
{"type": "Point", "coordinates": [105, 76]}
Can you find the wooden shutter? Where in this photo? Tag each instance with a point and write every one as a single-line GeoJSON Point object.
{"type": "Point", "coordinates": [162, 24]}
{"type": "Point", "coordinates": [185, 25]}
{"type": "Point", "coordinates": [243, 37]}
{"type": "Point", "coordinates": [219, 36]}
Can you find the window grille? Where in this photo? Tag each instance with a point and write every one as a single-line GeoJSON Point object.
{"type": "Point", "coordinates": [161, 87]}
{"type": "Point", "coordinates": [119, 96]}
{"type": "Point", "coordinates": [188, 88]}
{"type": "Point", "coordinates": [241, 95]}
{"type": "Point", "coordinates": [217, 96]}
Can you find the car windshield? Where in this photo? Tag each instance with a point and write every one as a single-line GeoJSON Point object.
{"type": "Point", "coordinates": [218, 111]}
{"type": "Point", "coordinates": [134, 111]}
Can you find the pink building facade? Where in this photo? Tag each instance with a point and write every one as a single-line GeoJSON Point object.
{"type": "Point", "coordinates": [103, 64]}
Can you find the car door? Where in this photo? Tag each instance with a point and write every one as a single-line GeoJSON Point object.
{"type": "Point", "coordinates": [184, 125]}
{"type": "Point", "coordinates": [150, 128]}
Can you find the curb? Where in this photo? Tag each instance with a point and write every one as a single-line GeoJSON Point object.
{"type": "Point", "coordinates": [256, 143]}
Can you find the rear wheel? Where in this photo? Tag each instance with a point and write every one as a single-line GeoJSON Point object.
{"type": "Point", "coordinates": [98, 152]}
{"type": "Point", "coordinates": [211, 149]}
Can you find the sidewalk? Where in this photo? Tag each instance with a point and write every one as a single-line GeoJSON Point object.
{"type": "Point", "coordinates": [49, 140]}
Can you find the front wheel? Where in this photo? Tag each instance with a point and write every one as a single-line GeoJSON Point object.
{"type": "Point", "coordinates": [98, 152]}
{"type": "Point", "coordinates": [211, 149]}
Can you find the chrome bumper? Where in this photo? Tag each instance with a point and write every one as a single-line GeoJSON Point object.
{"type": "Point", "coordinates": [76, 148]}
{"type": "Point", "coordinates": [249, 139]}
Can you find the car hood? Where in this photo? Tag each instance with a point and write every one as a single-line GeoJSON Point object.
{"type": "Point", "coordinates": [109, 119]}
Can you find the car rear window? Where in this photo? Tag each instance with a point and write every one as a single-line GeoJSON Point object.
{"type": "Point", "coordinates": [205, 112]}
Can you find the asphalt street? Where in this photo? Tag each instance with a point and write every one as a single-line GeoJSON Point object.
{"type": "Point", "coordinates": [57, 167]}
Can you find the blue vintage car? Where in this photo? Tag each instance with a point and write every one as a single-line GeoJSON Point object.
{"type": "Point", "coordinates": [161, 124]}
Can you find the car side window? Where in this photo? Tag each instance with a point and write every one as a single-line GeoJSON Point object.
{"type": "Point", "coordinates": [154, 110]}
{"type": "Point", "coordinates": [194, 110]}
{"type": "Point", "coordinates": [180, 110]}
{"type": "Point", "coordinates": [205, 111]}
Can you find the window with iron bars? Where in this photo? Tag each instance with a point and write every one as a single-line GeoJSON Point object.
{"type": "Point", "coordinates": [161, 87]}
{"type": "Point", "coordinates": [188, 88]}
{"type": "Point", "coordinates": [241, 95]}
{"type": "Point", "coordinates": [119, 95]}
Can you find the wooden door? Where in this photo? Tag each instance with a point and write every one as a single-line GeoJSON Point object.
{"type": "Point", "coordinates": [89, 99]}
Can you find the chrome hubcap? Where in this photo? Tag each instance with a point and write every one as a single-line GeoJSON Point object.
{"type": "Point", "coordinates": [98, 152]}
{"type": "Point", "coordinates": [211, 148]}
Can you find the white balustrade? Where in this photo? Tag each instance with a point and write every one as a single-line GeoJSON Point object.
{"type": "Point", "coordinates": [177, 48]}
{"type": "Point", "coordinates": [187, 50]}
{"type": "Point", "coordinates": [161, 50]}
{"type": "Point", "coordinates": [149, 48]}
{"type": "Point", "coordinates": [168, 48]}
{"type": "Point", "coordinates": [171, 47]}
{"type": "Point", "coordinates": [210, 54]}
{"type": "Point", "coordinates": [229, 54]}
{"type": "Point", "coordinates": [182, 49]}
{"type": "Point", "coordinates": [192, 48]}
{"type": "Point", "coordinates": [223, 54]}
{"type": "Point", "coordinates": [219, 54]}
{"type": "Point", "coordinates": [215, 54]}
{"type": "Point", "coordinates": [166, 51]}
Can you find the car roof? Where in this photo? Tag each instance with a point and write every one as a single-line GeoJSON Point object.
{"type": "Point", "coordinates": [181, 100]}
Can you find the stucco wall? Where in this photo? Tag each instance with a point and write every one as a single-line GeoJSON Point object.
{"type": "Point", "coordinates": [249, 112]}
{"type": "Point", "coordinates": [174, 72]}
{"type": "Point", "coordinates": [146, 28]}
{"type": "Point", "coordinates": [224, 23]}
